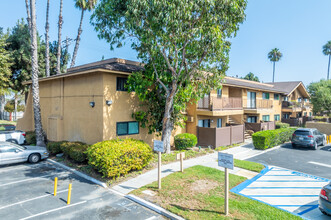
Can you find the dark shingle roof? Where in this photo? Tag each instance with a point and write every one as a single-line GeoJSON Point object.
{"type": "Point", "coordinates": [287, 87]}
{"type": "Point", "coordinates": [250, 84]}
{"type": "Point", "coordinates": [114, 64]}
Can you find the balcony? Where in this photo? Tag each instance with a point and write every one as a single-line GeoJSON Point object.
{"type": "Point", "coordinates": [260, 104]}
{"type": "Point", "coordinates": [220, 104]}
{"type": "Point", "coordinates": [292, 106]}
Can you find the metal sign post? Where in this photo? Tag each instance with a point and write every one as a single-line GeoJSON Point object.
{"type": "Point", "coordinates": [181, 157]}
{"type": "Point", "coordinates": [226, 161]}
{"type": "Point", "coordinates": [159, 147]}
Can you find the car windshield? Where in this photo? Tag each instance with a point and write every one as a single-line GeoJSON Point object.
{"type": "Point", "coordinates": [17, 146]}
{"type": "Point", "coordinates": [302, 132]}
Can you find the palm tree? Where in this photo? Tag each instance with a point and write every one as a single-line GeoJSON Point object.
{"type": "Point", "coordinates": [58, 55]}
{"type": "Point", "coordinates": [34, 75]}
{"type": "Point", "coordinates": [327, 52]}
{"type": "Point", "coordinates": [47, 42]}
{"type": "Point", "coordinates": [274, 56]}
{"type": "Point", "coordinates": [82, 5]}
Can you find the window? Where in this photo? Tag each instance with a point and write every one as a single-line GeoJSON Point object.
{"type": "Point", "coordinates": [285, 98]}
{"type": "Point", "coordinates": [305, 113]}
{"type": "Point", "coordinates": [204, 123]}
{"type": "Point", "coordinates": [219, 93]}
{"type": "Point", "coordinates": [127, 128]}
{"type": "Point", "coordinates": [299, 99]}
{"type": "Point", "coordinates": [286, 116]}
{"type": "Point", "coordinates": [306, 100]}
{"type": "Point", "coordinates": [265, 95]}
{"type": "Point", "coordinates": [265, 118]}
{"type": "Point", "coordinates": [276, 96]}
{"type": "Point", "coordinates": [120, 85]}
{"type": "Point", "coordinates": [8, 149]}
{"type": "Point", "coordinates": [219, 122]}
{"type": "Point", "coordinates": [310, 114]}
{"type": "Point", "coordinates": [277, 117]}
{"type": "Point", "coordinates": [251, 119]}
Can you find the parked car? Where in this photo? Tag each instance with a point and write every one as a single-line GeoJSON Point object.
{"type": "Point", "coordinates": [14, 153]}
{"type": "Point", "coordinates": [16, 137]}
{"type": "Point", "coordinates": [308, 137]}
{"type": "Point", "coordinates": [7, 127]}
{"type": "Point", "coordinates": [325, 200]}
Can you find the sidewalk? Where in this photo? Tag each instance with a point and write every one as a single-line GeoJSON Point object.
{"type": "Point", "coordinates": [209, 160]}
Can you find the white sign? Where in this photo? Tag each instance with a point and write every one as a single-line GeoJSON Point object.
{"type": "Point", "coordinates": [225, 160]}
{"type": "Point", "coordinates": [158, 146]}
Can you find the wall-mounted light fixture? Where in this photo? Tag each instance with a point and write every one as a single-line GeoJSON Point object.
{"type": "Point", "coordinates": [92, 104]}
{"type": "Point", "coordinates": [109, 102]}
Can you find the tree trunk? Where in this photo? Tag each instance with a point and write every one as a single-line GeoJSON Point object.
{"type": "Point", "coordinates": [273, 75]}
{"type": "Point", "coordinates": [58, 62]}
{"type": "Point", "coordinates": [328, 69]}
{"type": "Point", "coordinates": [47, 42]}
{"type": "Point", "coordinates": [28, 18]}
{"type": "Point", "coordinates": [2, 106]}
{"type": "Point", "coordinates": [77, 40]}
{"type": "Point", "coordinates": [15, 107]}
{"type": "Point", "coordinates": [34, 77]}
{"type": "Point", "coordinates": [167, 123]}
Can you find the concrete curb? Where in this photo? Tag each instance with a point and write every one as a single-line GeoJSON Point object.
{"type": "Point", "coordinates": [154, 207]}
{"type": "Point", "coordinates": [104, 185]}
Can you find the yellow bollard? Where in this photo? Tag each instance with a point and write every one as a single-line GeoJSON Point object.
{"type": "Point", "coordinates": [327, 139]}
{"type": "Point", "coordinates": [55, 186]}
{"type": "Point", "coordinates": [69, 194]}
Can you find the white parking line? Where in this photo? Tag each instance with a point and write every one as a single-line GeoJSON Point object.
{"type": "Point", "coordinates": [28, 200]}
{"type": "Point", "coordinates": [320, 164]}
{"type": "Point", "coordinates": [30, 179]}
{"type": "Point", "coordinates": [8, 169]}
{"type": "Point", "coordinates": [53, 210]}
{"type": "Point", "coordinates": [153, 217]}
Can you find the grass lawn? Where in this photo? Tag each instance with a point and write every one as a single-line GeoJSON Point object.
{"type": "Point", "coordinates": [198, 193]}
{"type": "Point", "coordinates": [248, 165]}
{"type": "Point", "coordinates": [4, 122]}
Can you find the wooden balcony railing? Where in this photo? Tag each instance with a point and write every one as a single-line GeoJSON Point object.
{"type": "Point", "coordinates": [219, 104]}
{"type": "Point", "coordinates": [226, 103]}
{"type": "Point", "coordinates": [261, 103]}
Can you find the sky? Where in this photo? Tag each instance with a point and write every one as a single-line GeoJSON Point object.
{"type": "Point", "coordinates": [298, 28]}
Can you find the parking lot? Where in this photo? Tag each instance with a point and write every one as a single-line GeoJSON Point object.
{"type": "Point", "coordinates": [26, 192]}
{"type": "Point", "coordinates": [306, 160]}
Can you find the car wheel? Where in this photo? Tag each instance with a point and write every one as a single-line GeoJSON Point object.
{"type": "Point", "coordinates": [12, 141]}
{"type": "Point", "coordinates": [294, 145]}
{"type": "Point", "coordinates": [34, 158]}
{"type": "Point", "coordinates": [315, 146]}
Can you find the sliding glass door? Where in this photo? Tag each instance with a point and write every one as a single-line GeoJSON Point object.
{"type": "Point", "coordinates": [251, 99]}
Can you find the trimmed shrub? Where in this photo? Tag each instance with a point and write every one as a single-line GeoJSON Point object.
{"type": "Point", "coordinates": [117, 157]}
{"type": "Point", "coordinates": [267, 139]}
{"type": "Point", "coordinates": [30, 138]}
{"type": "Point", "coordinates": [2, 128]}
{"type": "Point", "coordinates": [54, 147]}
{"type": "Point", "coordinates": [78, 152]}
{"type": "Point", "coordinates": [185, 140]}
{"type": "Point", "coordinates": [282, 125]}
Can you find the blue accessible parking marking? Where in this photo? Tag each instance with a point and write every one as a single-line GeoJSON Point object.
{"type": "Point", "coordinates": [285, 189]}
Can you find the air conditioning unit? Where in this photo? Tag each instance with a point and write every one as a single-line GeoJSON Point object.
{"type": "Point", "coordinates": [190, 119]}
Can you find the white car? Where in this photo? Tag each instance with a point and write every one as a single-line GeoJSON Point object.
{"type": "Point", "coordinates": [13, 153]}
{"type": "Point", "coordinates": [16, 137]}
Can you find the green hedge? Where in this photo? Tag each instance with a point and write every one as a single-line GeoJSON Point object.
{"type": "Point", "coordinates": [267, 139]}
{"type": "Point", "coordinates": [30, 138]}
{"type": "Point", "coordinates": [74, 150]}
{"type": "Point", "coordinates": [118, 157]}
{"type": "Point", "coordinates": [185, 140]}
{"type": "Point", "coordinates": [282, 125]}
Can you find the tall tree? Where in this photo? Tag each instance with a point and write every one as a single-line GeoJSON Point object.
{"type": "Point", "coordinates": [58, 65]}
{"type": "Point", "coordinates": [274, 56]}
{"type": "Point", "coordinates": [82, 5]}
{"type": "Point", "coordinates": [327, 52]}
{"type": "Point", "coordinates": [320, 93]}
{"type": "Point", "coordinates": [252, 77]}
{"type": "Point", "coordinates": [5, 71]}
{"type": "Point", "coordinates": [47, 42]}
{"type": "Point", "coordinates": [181, 41]}
{"type": "Point", "coordinates": [40, 138]}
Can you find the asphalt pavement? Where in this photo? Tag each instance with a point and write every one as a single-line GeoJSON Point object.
{"type": "Point", "coordinates": [305, 160]}
{"type": "Point", "coordinates": [26, 192]}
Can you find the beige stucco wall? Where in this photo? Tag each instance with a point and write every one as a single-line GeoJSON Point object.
{"type": "Point", "coordinates": [325, 128]}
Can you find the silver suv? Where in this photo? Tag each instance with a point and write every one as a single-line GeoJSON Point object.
{"type": "Point", "coordinates": [308, 137]}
